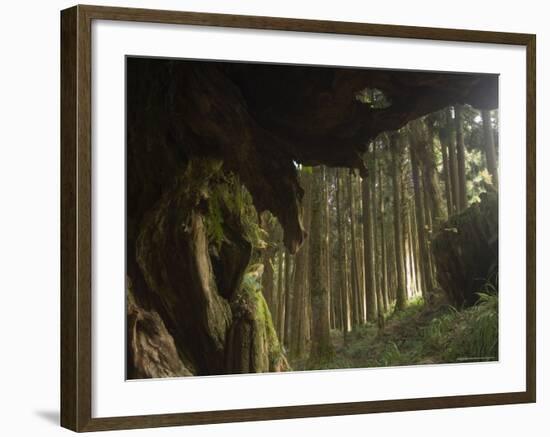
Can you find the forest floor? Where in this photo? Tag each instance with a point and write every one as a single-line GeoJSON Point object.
{"type": "Point", "coordinates": [420, 334]}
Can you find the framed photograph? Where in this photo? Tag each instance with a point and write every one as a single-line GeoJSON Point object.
{"type": "Point", "coordinates": [269, 218]}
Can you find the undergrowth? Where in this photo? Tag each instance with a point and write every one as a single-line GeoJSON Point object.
{"type": "Point", "coordinates": [421, 334]}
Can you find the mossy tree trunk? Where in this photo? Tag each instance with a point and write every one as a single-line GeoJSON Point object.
{"type": "Point", "coordinates": [288, 300]}
{"type": "Point", "coordinates": [268, 278]}
{"type": "Point", "coordinates": [192, 251]}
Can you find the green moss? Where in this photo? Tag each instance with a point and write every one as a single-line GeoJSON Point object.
{"type": "Point", "coordinates": [249, 304]}
{"type": "Point", "coordinates": [228, 198]}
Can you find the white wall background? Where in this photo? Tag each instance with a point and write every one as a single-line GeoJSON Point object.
{"type": "Point", "coordinates": [29, 222]}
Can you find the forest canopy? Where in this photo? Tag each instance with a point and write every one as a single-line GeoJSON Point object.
{"type": "Point", "coordinates": [286, 217]}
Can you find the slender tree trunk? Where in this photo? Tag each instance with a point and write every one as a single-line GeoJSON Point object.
{"type": "Point", "coordinates": [368, 249]}
{"type": "Point", "coordinates": [377, 278]}
{"type": "Point", "coordinates": [423, 141]}
{"type": "Point", "coordinates": [490, 151]}
{"type": "Point", "coordinates": [321, 349]}
{"type": "Point", "coordinates": [453, 164]}
{"type": "Point", "coordinates": [383, 250]}
{"type": "Point", "coordinates": [361, 266]}
{"type": "Point", "coordinates": [417, 256]}
{"type": "Point", "coordinates": [410, 255]}
{"type": "Point", "coordinates": [447, 178]}
{"type": "Point", "coordinates": [400, 292]}
{"type": "Point", "coordinates": [299, 314]}
{"type": "Point", "coordinates": [342, 256]}
{"type": "Point", "coordinates": [429, 228]}
{"type": "Point", "coordinates": [404, 214]}
{"type": "Point", "coordinates": [357, 196]}
{"type": "Point", "coordinates": [420, 224]}
{"type": "Point", "coordinates": [392, 269]}
{"type": "Point", "coordinates": [461, 160]}
{"type": "Point", "coordinates": [354, 267]}
{"type": "Point", "coordinates": [326, 234]}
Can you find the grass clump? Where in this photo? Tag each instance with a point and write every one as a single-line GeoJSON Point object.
{"type": "Point", "coordinates": [478, 340]}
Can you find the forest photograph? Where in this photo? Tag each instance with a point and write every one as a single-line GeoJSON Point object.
{"type": "Point", "coordinates": [284, 218]}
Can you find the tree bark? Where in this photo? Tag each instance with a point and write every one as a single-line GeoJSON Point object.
{"type": "Point", "coordinates": [383, 246]}
{"type": "Point", "coordinates": [453, 164]}
{"type": "Point", "coordinates": [400, 292]}
{"type": "Point", "coordinates": [489, 142]}
{"type": "Point", "coordinates": [326, 237]}
{"type": "Point", "coordinates": [342, 256]}
{"type": "Point", "coordinates": [461, 160]}
{"type": "Point", "coordinates": [446, 178]}
{"type": "Point", "coordinates": [321, 349]}
{"type": "Point", "coordinates": [268, 277]}
{"type": "Point", "coordinates": [279, 319]}
{"type": "Point", "coordinates": [420, 224]}
{"type": "Point", "coordinates": [423, 143]}
{"type": "Point", "coordinates": [299, 314]}
{"type": "Point", "coordinates": [288, 299]}
{"type": "Point", "coordinates": [368, 249]}
{"type": "Point", "coordinates": [353, 255]}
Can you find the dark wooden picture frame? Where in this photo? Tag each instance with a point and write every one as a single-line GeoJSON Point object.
{"type": "Point", "coordinates": [76, 221]}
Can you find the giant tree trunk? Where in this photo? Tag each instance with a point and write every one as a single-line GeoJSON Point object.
{"type": "Point", "coordinates": [177, 268]}
{"type": "Point", "coordinates": [151, 351]}
{"type": "Point", "coordinates": [321, 349]}
{"type": "Point", "coordinates": [193, 279]}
